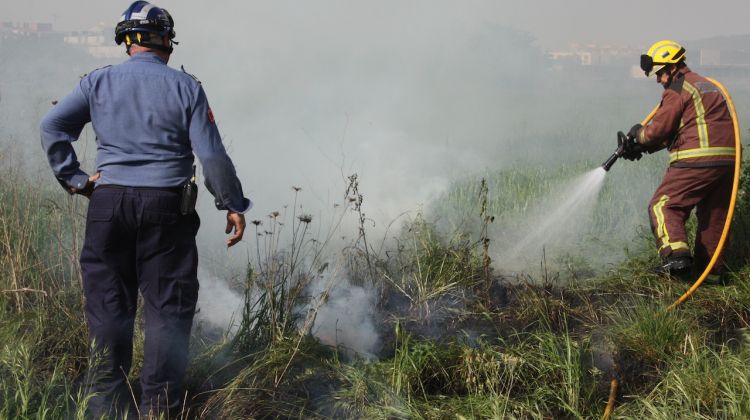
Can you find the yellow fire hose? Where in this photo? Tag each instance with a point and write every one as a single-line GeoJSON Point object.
{"type": "Point", "coordinates": [611, 402]}
{"type": "Point", "coordinates": [724, 233]}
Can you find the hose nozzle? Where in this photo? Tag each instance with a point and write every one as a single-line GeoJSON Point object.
{"type": "Point", "coordinates": [610, 161]}
{"type": "Point", "coordinates": [621, 138]}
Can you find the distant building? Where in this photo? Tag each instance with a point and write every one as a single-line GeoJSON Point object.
{"type": "Point", "coordinates": [725, 61]}
{"type": "Point", "coordinates": [26, 28]}
{"type": "Point", "coordinates": [595, 55]}
{"type": "Point", "coordinates": [98, 41]}
{"type": "Point", "coordinates": [597, 62]}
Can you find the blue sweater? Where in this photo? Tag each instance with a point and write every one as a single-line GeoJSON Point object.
{"type": "Point", "coordinates": [149, 119]}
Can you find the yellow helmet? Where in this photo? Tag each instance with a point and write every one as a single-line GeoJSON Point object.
{"type": "Point", "coordinates": [661, 54]}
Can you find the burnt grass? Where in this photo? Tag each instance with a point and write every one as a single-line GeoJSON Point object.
{"type": "Point", "coordinates": [511, 309]}
{"type": "Point", "coordinates": [507, 315]}
{"type": "Point", "coordinates": [505, 311]}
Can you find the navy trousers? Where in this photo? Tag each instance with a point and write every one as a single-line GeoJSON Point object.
{"type": "Point", "coordinates": [137, 240]}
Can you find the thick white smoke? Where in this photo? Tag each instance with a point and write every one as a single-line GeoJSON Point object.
{"type": "Point", "coordinates": [218, 304]}
{"type": "Point", "coordinates": [341, 313]}
{"type": "Point", "coordinates": [344, 315]}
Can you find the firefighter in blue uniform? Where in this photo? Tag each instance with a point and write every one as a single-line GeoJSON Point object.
{"type": "Point", "coordinates": [150, 120]}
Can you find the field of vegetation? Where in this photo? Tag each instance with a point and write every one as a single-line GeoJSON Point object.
{"type": "Point", "coordinates": [452, 332]}
{"type": "Point", "coordinates": [457, 339]}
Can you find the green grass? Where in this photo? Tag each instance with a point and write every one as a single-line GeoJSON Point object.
{"type": "Point", "coordinates": [618, 217]}
{"type": "Point", "coordinates": [426, 267]}
{"type": "Point", "coordinates": [44, 339]}
{"type": "Point", "coordinates": [704, 384]}
{"type": "Point", "coordinates": [534, 347]}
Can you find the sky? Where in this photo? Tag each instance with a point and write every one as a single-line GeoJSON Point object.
{"type": "Point", "coordinates": [554, 23]}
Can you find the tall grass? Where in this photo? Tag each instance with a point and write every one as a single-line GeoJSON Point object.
{"type": "Point", "coordinates": [515, 194]}
{"type": "Point", "coordinates": [426, 267]}
{"type": "Point", "coordinates": [705, 384]}
{"type": "Point", "coordinates": [531, 348]}
{"type": "Point", "coordinates": [44, 338]}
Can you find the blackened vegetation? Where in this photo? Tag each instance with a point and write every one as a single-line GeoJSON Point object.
{"type": "Point", "coordinates": [542, 344]}
{"type": "Point", "coordinates": [456, 337]}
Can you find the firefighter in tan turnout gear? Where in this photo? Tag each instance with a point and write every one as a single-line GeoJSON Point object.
{"type": "Point", "coordinates": [693, 122]}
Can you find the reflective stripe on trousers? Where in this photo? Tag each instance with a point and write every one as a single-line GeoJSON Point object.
{"type": "Point", "coordinates": [683, 189]}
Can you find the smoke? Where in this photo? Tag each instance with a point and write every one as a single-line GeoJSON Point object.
{"type": "Point", "coordinates": [407, 108]}
{"type": "Point", "coordinates": [409, 95]}
{"type": "Point", "coordinates": [344, 315]}
{"type": "Point", "coordinates": [218, 305]}
{"type": "Point", "coordinates": [556, 24]}
{"type": "Point", "coordinates": [341, 313]}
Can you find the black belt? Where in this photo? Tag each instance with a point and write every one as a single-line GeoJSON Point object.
{"type": "Point", "coordinates": [177, 190]}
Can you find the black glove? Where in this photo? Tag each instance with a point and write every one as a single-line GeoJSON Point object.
{"type": "Point", "coordinates": [634, 131]}
{"type": "Point", "coordinates": [631, 149]}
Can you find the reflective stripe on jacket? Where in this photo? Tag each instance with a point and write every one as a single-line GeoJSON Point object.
{"type": "Point", "coordinates": [693, 122]}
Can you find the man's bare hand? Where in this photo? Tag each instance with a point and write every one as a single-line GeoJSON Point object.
{"type": "Point", "coordinates": [89, 188]}
{"type": "Point", "coordinates": [235, 221]}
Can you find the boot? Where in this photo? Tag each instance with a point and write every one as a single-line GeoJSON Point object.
{"type": "Point", "coordinates": [680, 267]}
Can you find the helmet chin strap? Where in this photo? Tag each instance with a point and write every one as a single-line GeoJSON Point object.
{"type": "Point", "coordinates": [166, 49]}
{"type": "Point", "coordinates": [670, 71]}
{"type": "Point", "coordinates": [145, 43]}
{"type": "Point", "coordinates": [670, 78]}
